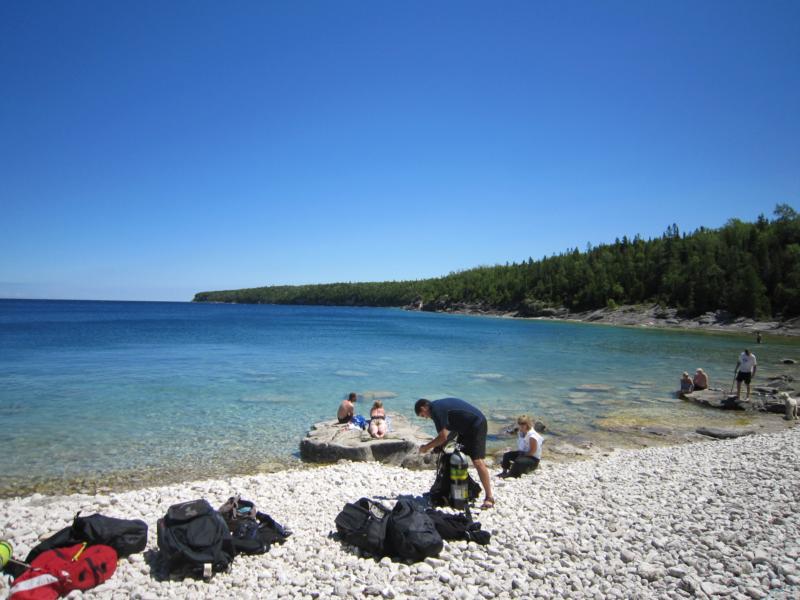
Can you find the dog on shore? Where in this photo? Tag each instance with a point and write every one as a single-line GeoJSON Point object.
{"type": "Point", "coordinates": [791, 407]}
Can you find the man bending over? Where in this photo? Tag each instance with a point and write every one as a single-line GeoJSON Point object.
{"type": "Point", "coordinates": [452, 414]}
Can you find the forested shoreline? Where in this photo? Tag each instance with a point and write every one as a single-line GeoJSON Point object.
{"type": "Point", "coordinates": [746, 269]}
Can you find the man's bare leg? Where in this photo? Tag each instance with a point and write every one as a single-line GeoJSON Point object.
{"type": "Point", "coordinates": [483, 474]}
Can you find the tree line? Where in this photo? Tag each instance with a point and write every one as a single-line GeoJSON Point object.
{"type": "Point", "coordinates": [747, 269]}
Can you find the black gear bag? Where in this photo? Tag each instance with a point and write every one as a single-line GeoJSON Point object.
{"type": "Point", "coordinates": [253, 531]}
{"type": "Point", "coordinates": [411, 533]}
{"type": "Point", "coordinates": [193, 535]}
{"type": "Point", "coordinates": [125, 536]}
{"type": "Point", "coordinates": [363, 524]}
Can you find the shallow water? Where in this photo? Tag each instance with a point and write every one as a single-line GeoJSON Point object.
{"type": "Point", "coordinates": [127, 393]}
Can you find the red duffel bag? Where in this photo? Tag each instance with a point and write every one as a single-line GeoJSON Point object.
{"type": "Point", "coordinates": [57, 572]}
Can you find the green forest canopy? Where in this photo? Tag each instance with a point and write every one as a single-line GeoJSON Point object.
{"type": "Point", "coordinates": [747, 269]}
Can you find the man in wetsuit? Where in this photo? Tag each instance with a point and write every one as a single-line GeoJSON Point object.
{"type": "Point", "coordinates": [453, 414]}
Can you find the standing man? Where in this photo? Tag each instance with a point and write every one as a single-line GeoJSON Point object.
{"type": "Point", "coordinates": [746, 367]}
{"type": "Point", "coordinates": [452, 414]}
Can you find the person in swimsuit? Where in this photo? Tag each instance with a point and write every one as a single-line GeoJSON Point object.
{"type": "Point", "coordinates": [700, 380]}
{"type": "Point", "coordinates": [347, 408]}
{"type": "Point", "coordinates": [377, 420]}
{"type": "Point", "coordinates": [686, 383]}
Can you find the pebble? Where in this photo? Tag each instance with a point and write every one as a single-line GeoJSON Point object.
{"type": "Point", "coordinates": [653, 523]}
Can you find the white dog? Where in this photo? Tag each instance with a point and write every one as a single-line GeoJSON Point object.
{"type": "Point", "coordinates": [791, 406]}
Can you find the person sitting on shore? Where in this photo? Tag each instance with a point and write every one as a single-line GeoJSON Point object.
{"type": "Point", "coordinates": [700, 381]}
{"type": "Point", "coordinates": [525, 459]}
{"type": "Point", "coordinates": [347, 409]}
{"type": "Point", "coordinates": [686, 383]}
{"type": "Point", "coordinates": [377, 420]}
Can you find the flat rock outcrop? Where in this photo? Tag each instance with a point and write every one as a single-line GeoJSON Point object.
{"type": "Point", "coordinates": [724, 434]}
{"type": "Point", "coordinates": [764, 399]}
{"type": "Point", "coordinates": [716, 399]}
{"type": "Point", "coordinates": [330, 441]}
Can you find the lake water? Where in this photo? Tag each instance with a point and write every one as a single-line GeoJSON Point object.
{"type": "Point", "coordinates": [130, 393]}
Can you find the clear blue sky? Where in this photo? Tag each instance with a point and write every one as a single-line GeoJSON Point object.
{"type": "Point", "coordinates": [151, 149]}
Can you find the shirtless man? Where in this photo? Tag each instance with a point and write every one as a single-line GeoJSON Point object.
{"type": "Point", "coordinates": [347, 408]}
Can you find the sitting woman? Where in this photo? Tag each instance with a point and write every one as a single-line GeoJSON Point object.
{"type": "Point", "coordinates": [377, 420]}
{"type": "Point", "coordinates": [525, 459]}
{"type": "Point", "coordinates": [686, 383]}
{"type": "Point", "coordinates": [700, 380]}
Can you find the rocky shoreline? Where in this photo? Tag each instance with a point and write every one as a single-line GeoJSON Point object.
{"type": "Point", "coordinates": [707, 520]}
{"type": "Point", "coordinates": [628, 316]}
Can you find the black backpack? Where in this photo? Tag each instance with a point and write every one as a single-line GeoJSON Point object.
{"type": "Point", "coordinates": [363, 524]}
{"type": "Point", "coordinates": [411, 533]}
{"type": "Point", "coordinates": [125, 536]}
{"type": "Point", "coordinates": [253, 531]}
{"type": "Point", "coordinates": [193, 535]}
{"type": "Point", "coordinates": [440, 490]}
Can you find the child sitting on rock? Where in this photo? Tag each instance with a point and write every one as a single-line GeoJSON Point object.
{"type": "Point", "coordinates": [687, 385]}
{"type": "Point", "coordinates": [377, 420]}
{"type": "Point", "coordinates": [529, 450]}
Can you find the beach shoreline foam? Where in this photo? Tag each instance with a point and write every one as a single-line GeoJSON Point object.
{"type": "Point", "coordinates": [703, 520]}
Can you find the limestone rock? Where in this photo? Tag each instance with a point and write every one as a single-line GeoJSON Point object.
{"type": "Point", "coordinates": [715, 399]}
{"type": "Point", "coordinates": [723, 434]}
{"type": "Point", "coordinates": [330, 441]}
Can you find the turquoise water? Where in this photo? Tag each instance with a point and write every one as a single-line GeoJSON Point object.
{"type": "Point", "coordinates": [121, 393]}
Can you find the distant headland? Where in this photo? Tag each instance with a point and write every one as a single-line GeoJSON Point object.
{"type": "Point", "coordinates": [740, 276]}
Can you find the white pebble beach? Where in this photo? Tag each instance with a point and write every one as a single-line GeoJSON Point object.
{"type": "Point", "coordinates": [708, 519]}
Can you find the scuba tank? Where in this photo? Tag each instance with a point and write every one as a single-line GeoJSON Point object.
{"type": "Point", "coordinates": [459, 492]}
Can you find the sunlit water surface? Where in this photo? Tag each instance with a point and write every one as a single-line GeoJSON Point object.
{"type": "Point", "coordinates": [126, 393]}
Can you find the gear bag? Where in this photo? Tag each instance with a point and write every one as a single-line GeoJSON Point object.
{"type": "Point", "coordinates": [404, 531]}
{"type": "Point", "coordinates": [411, 533]}
{"type": "Point", "coordinates": [194, 535]}
{"type": "Point", "coordinates": [57, 572]}
{"type": "Point", "coordinates": [125, 536]}
{"type": "Point", "coordinates": [253, 531]}
{"type": "Point", "coordinates": [363, 524]}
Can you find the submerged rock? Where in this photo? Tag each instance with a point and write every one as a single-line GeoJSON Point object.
{"type": "Point", "coordinates": [724, 434]}
{"type": "Point", "coordinates": [762, 400]}
{"type": "Point", "coordinates": [330, 441]}
{"type": "Point", "coordinates": [716, 399]}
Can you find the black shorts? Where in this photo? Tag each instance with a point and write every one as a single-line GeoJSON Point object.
{"type": "Point", "coordinates": [474, 442]}
{"type": "Point", "coordinates": [742, 376]}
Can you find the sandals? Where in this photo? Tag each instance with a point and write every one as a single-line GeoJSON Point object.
{"type": "Point", "coordinates": [488, 503]}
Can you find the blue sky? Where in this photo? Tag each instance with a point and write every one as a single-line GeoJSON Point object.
{"type": "Point", "coordinates": [150, 150]}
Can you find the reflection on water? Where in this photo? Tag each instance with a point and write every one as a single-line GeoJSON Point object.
{"type": "Point", "coordinates": [121, 394]}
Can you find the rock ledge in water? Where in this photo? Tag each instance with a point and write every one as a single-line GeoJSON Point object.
{"type": "Point", "coordinates": [724, 434]}
{"type": "Point", "coordinates": [329, 441]}
{"type": "Point", "coordinates": [715, 399]}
